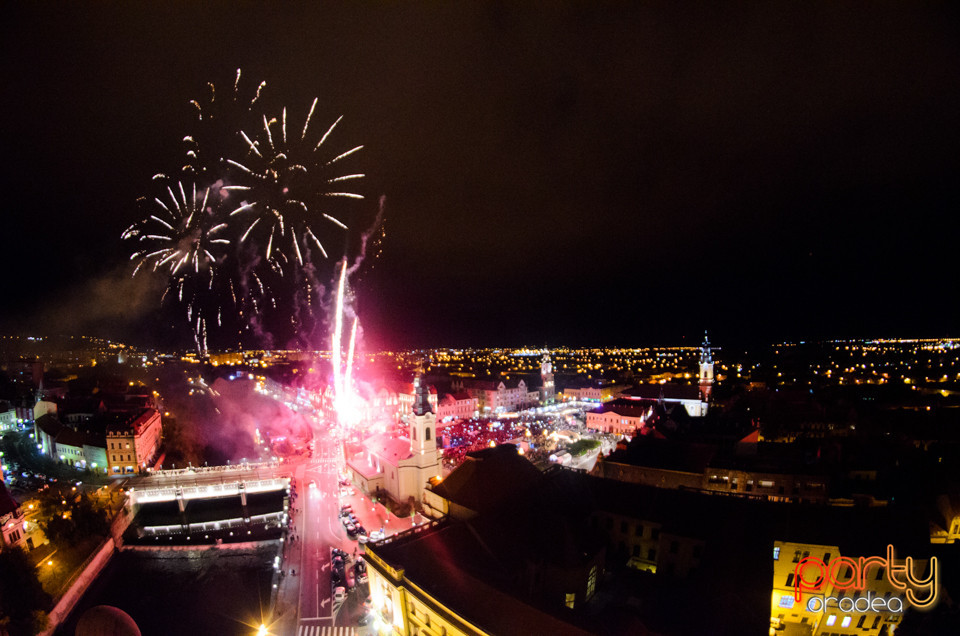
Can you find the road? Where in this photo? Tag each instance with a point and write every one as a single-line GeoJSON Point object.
{"type": "Point", "coordinates": [318, 529]}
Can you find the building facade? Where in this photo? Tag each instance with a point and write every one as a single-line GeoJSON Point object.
{"type": "Point", "coordinates": [456, 406]}
{"type": "Point", "coordinates": [619, 418]}
{"type": "Point", "coordinates": [12, 522]}
{"type": "Point", "coordinates": [133, 442]}
{"type": "Point", "coordinates": [706, 372]}
{"type": "Point", "coordinates": [401, 466]}
{"type": "Point", "coordinates": [548, 389]}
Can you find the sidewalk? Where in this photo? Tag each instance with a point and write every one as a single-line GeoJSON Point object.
{"type": "Point", "coordinates": [287, 600]}
{"type": "Point", "coordinates": [375, 516]}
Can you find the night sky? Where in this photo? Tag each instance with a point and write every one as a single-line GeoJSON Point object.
{"type": "Point", "coordinates": [560, 174]}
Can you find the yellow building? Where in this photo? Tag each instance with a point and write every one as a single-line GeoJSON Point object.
{"type": "Point", "coordinates": [418, 589]}
{"type": "Point", "coordinates": [829, 610]}
{"type": "Point", "coordinates": [133, 441]}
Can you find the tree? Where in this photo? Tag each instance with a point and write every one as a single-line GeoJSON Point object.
{"type": "Point", "coordinates": [23, 603]}
{"type": "Point", "coordinates": [69, 518]}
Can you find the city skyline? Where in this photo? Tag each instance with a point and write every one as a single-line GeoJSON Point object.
{"type": "Point", "coordinates": [578, 176]}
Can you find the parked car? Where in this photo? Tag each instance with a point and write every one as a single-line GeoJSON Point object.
{"type": "Point", "coordinates": [375, 536]}
{"type": "Point", "coordinates": [339, 595]}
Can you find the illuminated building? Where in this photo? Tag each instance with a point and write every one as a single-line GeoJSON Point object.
{"type": "Point", "coordinates": [423, 582]}
{"type": "Point", "coordinates": [133, 440]}
{"type": "Point", "coordinates": [619, 417]}
{"type": "Point", "coordinates": [8, 417]}
{"type": "Point", "coordinates": [548, 390]}
{"type": "Point", "coordinates": [706, 373]}
{"type": "Point", "coordinates": [593, 392]}
{"type": "Point", "coordinates": [231, 359]}
{"type": "Point", "coordinates": [687, 396]}
{"type": "Point", "coordinates": [81, 449]}
{"type": "Point", "coordinates": [495, 396]}
{"type": "Point", "coordinates": [841, 605]}
{"type": "Point", "coordinates": [750, 470]}
{"type": "Point", "coordinates": [945, 524]}
{"type": "Point", "coordinates": [456, 406]}
{"type": "Point", "coordinates": [401, 466]}
{"type": "Point", "coordinates": [11, 520]}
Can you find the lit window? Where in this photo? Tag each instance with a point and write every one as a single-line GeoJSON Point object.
{"type": "Point", "coordinates": [845, 622]}
{"type": "Point", "coordinates": [831, 619]}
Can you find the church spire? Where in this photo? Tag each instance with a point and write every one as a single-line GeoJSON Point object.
{"type": "Point", "coordinates": [421, 397]}
{"type": "Point", "coordinates": [706, 369]}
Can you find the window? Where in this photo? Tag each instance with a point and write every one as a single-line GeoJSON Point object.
{"type": "Point", "coordinates": [674, 546]}
{"type": "Point", "coordinates": [776, 553]}
{"type": "Point", "coordinates": [592, 581]}
{"type": "Point", "coordinates": [826, 558]}
{"type": "Point", "coordinates": [796, 556]}
{"type": "Point", "coordinates": [571, 598]}
{"type": "Point", "coordinates": [831, 619]}
{"type": "Point", "coordinates": [655, 533]}
{"type": "Point", "coordinates": [845, 622]}
{"type": "Point", "coordinates": [862, 620]}
{"type": "Point", "coordinates": [623, 527]}
{"type": "Point", "coordinates": [789, 582]}
{"type": "Point", "coordinates": [636, 551]}
{"type": "Point", "coordinates": [652, 554]}
{"type": "Point", "coordinates": [427, 438]}
{"type": "Point", "coordinates": [638, 531]}
{"type": "Point", "coordinates": [879, 574]}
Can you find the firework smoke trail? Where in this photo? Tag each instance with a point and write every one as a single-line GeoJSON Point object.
{"type": "Point", "coordinates": [365, 237]}
{"type": "Point", "coordinates": [353, 343]}
{"type": "Point", "coordinates": [336, 344]}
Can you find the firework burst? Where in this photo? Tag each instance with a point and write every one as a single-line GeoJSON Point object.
{"type": "Point", "coordinates": [292, 187]}
{"type": "Point", "coordinates": [220, 116]}
{"type": "Point", "coordinates": [185, 237]}
{"type": "Point", "coordinates": [245, 249]}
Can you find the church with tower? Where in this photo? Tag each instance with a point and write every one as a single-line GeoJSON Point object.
{"type": "Point", "coordinates": [401, 466]}
{"type": "Point", "coordinates": [548, 392]}
{"type": "Point", "coordinates": [706, 370]}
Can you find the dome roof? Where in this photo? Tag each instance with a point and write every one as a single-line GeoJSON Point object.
{"type": "Point", "coordinates": [106, 620]}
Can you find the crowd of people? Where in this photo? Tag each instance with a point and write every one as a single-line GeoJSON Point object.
{"type": "Point", "coordinates": [465, 436]}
